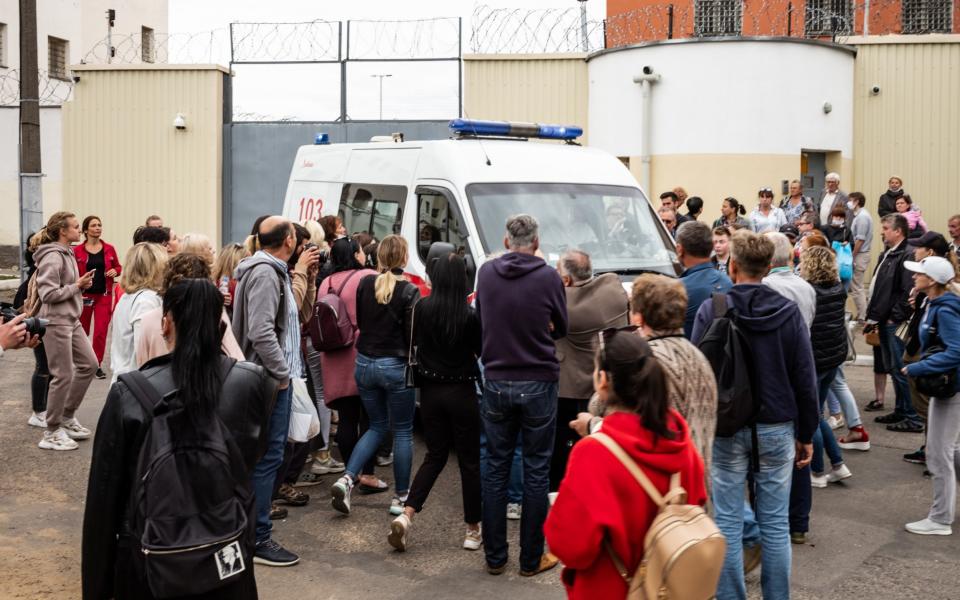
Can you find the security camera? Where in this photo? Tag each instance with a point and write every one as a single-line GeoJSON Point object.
{"type": "Point", "coordinates": [647, 70]}
{"type": "Point", "coordinates": [875, 90]}
{"type": "Point", "coordinates": [827, 108]}
{"type": "Point", "coordinates": [179, 122]}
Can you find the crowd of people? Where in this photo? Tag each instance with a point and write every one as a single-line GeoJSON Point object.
{"type": "Point", "coordinates": [519, 379]}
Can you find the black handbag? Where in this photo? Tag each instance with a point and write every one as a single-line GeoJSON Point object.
{"type": "Point", "coordinates": [936, 385]}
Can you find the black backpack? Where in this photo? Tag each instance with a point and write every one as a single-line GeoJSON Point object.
{"type": "Point", "coordinates": [188, 508]}
{"type": "Point", "coordinates": [726, 347]}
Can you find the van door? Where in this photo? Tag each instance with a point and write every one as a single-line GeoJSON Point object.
{"type": "Point", "coordinates": [439, 219]}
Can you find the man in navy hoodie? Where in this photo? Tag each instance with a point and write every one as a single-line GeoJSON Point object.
{"type": "Point", "coordinates": [523, 309]}
{"type": "Point", "coordinates": [785, 379]}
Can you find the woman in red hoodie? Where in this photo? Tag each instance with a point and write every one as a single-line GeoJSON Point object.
{"type": "Point", "coordinates": [95, 254]}
{"type": "Point", "coordinates": [598, 497]}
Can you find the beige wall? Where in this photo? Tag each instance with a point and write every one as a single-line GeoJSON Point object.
{"type": "Point", "coordinates": [123, 159]}
{"type": "Point", "coordinates": [535, 88]}
{"type": "Point", "coordinates": [912, 127]}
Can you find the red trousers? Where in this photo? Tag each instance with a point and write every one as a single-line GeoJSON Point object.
{"type": "Point", "coordinates": [101, 311]}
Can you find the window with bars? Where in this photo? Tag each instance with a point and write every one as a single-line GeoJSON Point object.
{"type": "Point", "coordinates": [927, 16]}
{"type": "Point", "coordinates": [718, 17]}
{"type": "Point", "coordinates": [146, 45]}
{"type": "Point", "coordinates": [3, 44]}
{"type": "Point", "coordinates": [58, 52]}
{"type": "Point", "coordinates": [825, 17]}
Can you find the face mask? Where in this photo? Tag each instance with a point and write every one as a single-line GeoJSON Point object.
{"type": "Point", "coordinates": [837, 222]}
{"type": "Point", "coordinates": [852, 205]}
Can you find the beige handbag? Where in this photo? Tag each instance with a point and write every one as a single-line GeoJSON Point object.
{"type": "Point", "coordinates": [683, 551]}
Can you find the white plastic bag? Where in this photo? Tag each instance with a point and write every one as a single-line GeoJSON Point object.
{"type": "Point", "coordinates": [304, 422]}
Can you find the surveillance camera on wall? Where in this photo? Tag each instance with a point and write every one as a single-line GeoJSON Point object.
{"type": "Point", "coordinates": [875, 90]}
{"type": "Point", "coordinates": [179, 122]}
{"type": "Point", "coordinates": [647, 70]}
{"type": "Point", "coordinates": [827, 108]}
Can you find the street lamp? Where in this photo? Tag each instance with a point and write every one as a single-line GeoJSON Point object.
{"type": "Point", "coordinates": [381, 76]}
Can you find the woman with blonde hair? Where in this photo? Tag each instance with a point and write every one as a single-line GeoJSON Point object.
{"type": "Point", "coordinates": [199, 244]}
{"type": "Point", "coordinates": [223, 270]}
{"type": "Point", "coordinates": [384, 312]}
{"type": "Point", "coordinates": [70, 356]}
{"type": "Point", "coordinates": [141, 281]}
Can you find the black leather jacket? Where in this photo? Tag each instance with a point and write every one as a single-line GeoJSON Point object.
{"type": "Point", "coordinates": [889, 300]}
{"type": "Point", "coordinates": [246, 402]}
{"type": "Point", "coordinates": [828, 335]}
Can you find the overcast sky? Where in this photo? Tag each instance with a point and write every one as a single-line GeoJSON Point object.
{"type": "Point", "coordinates": [425, 90]}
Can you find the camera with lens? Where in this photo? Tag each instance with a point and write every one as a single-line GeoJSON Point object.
{"type": "Point", "coordinates": [35, 325]}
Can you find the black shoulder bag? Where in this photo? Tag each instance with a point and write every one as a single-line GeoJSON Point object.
{"type": "Point", "coordinates": [936, 385]}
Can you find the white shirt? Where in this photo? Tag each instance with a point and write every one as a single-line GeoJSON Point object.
{"type": "Point", "coordinates": [826, 207]}
{"type": "Point", "coordinates": [126, 329]}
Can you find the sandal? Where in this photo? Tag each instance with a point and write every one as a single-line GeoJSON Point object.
{"type": "Point", "coordinates": [905, 426]}
{"type": "Point", "coordinates": [381, 486]}
{"type": "Point", "coordinates": [874, 406]}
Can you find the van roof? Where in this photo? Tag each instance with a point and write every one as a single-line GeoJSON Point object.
{"type": "Point", "coordinates": [464, 161]}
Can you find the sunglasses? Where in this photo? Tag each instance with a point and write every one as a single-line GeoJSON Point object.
{"type": "Point", "coordinates": [605, 335]}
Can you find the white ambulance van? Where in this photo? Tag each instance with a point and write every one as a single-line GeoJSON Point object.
{"type": "Point", "coordinates": [462, 190]}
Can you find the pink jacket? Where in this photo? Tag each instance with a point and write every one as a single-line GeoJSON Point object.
{"type": "Point", "coordinates": [338, 367]}
{"type": "Point", "coordinates": [915, 220]}
{"type": "Point", "coordinates": [151, 344]}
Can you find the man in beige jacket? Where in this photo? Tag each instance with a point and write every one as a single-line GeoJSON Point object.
{"type": "Point", "coordinates": [593, 304]}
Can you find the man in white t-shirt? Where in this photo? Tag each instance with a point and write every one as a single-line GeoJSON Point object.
{"type": "Point", "coordinates": [831, 198]}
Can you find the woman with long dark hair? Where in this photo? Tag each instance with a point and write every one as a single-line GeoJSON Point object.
{"type": "Point", "coordinates": [446, 333]}
{"type": "Point", "coordinates": [599, 500]}
{"type": "Point", "coordinates": [205, 384]}
{"type": "Point", "coordinates": [384, 305]}
{"type": "Point", "coordinates": [337, 366]}
{"type": "Point", "coordinates": [96, 255]}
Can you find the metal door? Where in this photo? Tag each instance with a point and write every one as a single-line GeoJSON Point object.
{"type": "Point", "coordinates": [813, 169]}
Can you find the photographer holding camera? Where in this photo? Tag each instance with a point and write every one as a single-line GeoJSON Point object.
{"type": "Point", "coordinates": [14, 335]}
{"type": "Point", "coordinates": [70, 356]}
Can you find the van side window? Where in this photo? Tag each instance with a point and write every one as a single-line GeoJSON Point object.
{"type": "Point", "coordinates": [439, 220]}
{"type": "Point", "coordinates": [375, 209]}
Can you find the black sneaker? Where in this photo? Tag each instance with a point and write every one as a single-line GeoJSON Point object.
{"type": "Point", "coordinates": [273, 554]}
{"type": "Point", "coordinates": [889, 418]}
{"type": "Point", "coordinates": [100, 374]}
{"type": "Point", "coordinates": [906, 427]}
{"type": "Point", "coordinates": [918, 458]}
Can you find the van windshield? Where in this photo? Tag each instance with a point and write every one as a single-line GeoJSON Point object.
{"type": "Point", "coordinates": [614, 225]}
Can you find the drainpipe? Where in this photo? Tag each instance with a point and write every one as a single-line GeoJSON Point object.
{"type": "Point", "coordinates": [646, 82]}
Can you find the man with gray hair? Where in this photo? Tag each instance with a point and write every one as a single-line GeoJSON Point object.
{"type": "Point", "coordinates": [593, 304]}
{"type": "Point", "coordinates": [831, 198]}
{"type": "Point", "coordinates": [523, 310]}
{"type": "Point", "coordinates": [784, 281]}
{"type": "Point", "coordinates": [701, 280]}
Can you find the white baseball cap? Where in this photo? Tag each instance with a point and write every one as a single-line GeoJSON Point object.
{"type": "Point", "coordinates": [936, 268]}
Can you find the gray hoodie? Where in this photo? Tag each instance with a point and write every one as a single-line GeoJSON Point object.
{"type": "Point", "coordinates": [60, 296]}
{"type": "Point", "coordinates": [259, 314]}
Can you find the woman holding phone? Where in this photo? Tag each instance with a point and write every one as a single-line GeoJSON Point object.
{"type": "Point", "coordinates": [101, 258]}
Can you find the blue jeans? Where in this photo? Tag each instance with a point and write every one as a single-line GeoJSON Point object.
{"type": "Point", "coordinates": [841, 400]}
{"type": "Point", "coordinates": [731, 463]}
{"type": "Point", "coordinates": [823, 438]}
{"type": "Point", "coordinates": [509, 408]}
{"type": "Point", "coordinates": [515, 486]}
{"type": "Point", "coordinates": [892, 349]}
{"type": "Point", "coordinates": [387, 400]}
{"type": "Point", "coordinates": [265, 472]}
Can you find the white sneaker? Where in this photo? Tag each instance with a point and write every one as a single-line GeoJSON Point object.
{"type": "Point", "coordinates": [325, 467]}
{"type": "Point", "coordinates": [928, 527]}
{"type": "Point", "coordinates": [57, 440]}
{"type": "Point", "coordinates": [38, 419]}
{"type": "Point", "coordinates": [838, 474]}
{"type": "Point", "coordinates": [818, 481]}
{"type": "Point", "coordinates": [340, 493]}
{"type": "Point", "coordinates": [396, 505]}
{"type": "Point", "coordinates": [472, 540]}
{"type": "Point", "coordinates": [836, 422]}
{"type": "Point", "coordinates": [514, 511]}
{"type": "Point", "coordinates": [398, 532]}
{"type": "Point", "coordinates": [75, 430]}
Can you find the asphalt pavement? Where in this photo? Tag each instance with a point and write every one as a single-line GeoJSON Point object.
{"type": "Point", "coordinates": [857, 547]}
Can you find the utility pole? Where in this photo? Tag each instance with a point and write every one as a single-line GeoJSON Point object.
{"type": "Point", "coordinates": [381, 76]}
{"type": "Point", "coordinates": [31, 191]}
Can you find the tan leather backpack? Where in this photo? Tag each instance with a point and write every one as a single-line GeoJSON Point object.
{"type": "Point", "coordinates": [683, 551]}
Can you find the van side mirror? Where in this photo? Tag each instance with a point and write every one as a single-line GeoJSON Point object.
{"type": "Point", "coordinates": [437, 250]}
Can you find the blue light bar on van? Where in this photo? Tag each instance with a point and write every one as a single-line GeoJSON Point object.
{"type": "Point", "coordinates": [321, 139]}
{"type": "Point", "coordinates": [511, 129]}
